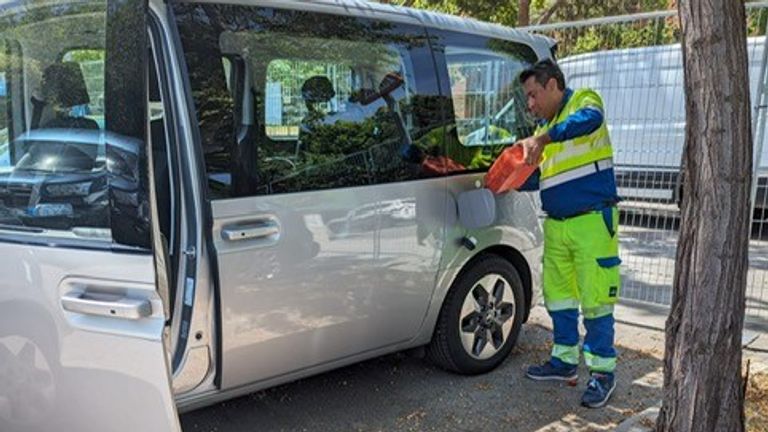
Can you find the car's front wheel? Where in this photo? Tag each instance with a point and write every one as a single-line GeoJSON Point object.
{"type": "Point", "coordinates": [480, 319]}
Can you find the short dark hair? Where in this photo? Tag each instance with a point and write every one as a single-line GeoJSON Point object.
{"type": "Point", "coordinates": [543, 71]}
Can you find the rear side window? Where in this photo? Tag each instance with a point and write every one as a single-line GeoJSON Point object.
{"type": "Point", "coordinates": [488, 101]}
{"type": "Point", "coordinates": [91, 64]}
{"type": "Point", "coordinates": [316, 102]}
{"type": "Point", "coordinates": [489, 105]}
{"type": "Point", "coordinates": [5, 160]}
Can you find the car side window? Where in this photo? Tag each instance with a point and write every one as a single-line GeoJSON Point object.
{"type": "Point", "coordinates": [328, 102]}
{"type": "Point", "coordinates": [91, 63]}
{"type": "Point", "coordinates": [5, 156]}
{"type": "Point", "coordinates": [72, 164]}
{"type": "Point", "coordinates": [489, 106]}
{"type": "Point", "coordinates": [53, 161]}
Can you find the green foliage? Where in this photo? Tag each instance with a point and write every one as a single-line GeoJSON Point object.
{"type": "Point", "coordinates": [572, 41]}
{"type": "Point", "coordinates": [85, 55]}
{"type": "Point", "coordinates": [579, 40]}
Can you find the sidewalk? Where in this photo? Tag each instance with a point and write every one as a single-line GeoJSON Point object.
{"type": "Point", "coordinates": [640, 330]}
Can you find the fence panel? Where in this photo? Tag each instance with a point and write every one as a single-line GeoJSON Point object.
{"type": "Point", "coordinates": [635, 63]}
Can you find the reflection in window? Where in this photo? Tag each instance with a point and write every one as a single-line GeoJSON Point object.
{"type": "Point", "coordinates": [488, 104]}
{"type": "Point", "coordinates": [5, 156]}
{"type": "Point", "coordinates": [54, 172]}
{"type": "Point", "coordinates": [331, 103]}
{"type": "Point", "coordinates": [91, 64]}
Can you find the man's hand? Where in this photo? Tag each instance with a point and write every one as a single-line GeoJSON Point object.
{"type": "Point", "coordinates": [533, 147]}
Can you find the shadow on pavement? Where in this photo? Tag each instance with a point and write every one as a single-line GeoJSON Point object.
{"type": "Point", "coordinates": [403, 393]}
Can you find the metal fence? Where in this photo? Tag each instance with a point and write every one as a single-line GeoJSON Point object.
{"type": "Point", "coordinates": [635, 63]}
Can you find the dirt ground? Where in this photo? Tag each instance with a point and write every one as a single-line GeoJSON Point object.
{"type": "Point", "coordinates": [756, 406]}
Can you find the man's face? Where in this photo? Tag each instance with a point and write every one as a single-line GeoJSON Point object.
{"type": "Point", "coordinates": [543, 100]}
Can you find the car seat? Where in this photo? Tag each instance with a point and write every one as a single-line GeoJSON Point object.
{"type": "Point", "coordinates": [63, 88]}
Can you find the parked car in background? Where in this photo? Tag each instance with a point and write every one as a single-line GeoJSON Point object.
{"type": "Point", "coordinates": [63, 179]}
{"type": "Point", "coordinates": [644, 98]}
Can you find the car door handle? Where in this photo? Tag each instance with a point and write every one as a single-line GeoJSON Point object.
{"type": "Point", "coordinates": [110, 305]}
{"type": "Point", "coordinates": [261, 229]}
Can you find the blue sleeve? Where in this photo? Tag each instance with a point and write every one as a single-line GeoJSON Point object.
{"type": "Point", "coordinates": [532, 183]}
{"type": "Point", "coordinates": [582, 122]}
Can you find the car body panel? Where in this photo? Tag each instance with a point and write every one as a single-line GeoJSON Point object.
{"type": "Point", "coordinates": [344, 274]}
{"type": "Point", "coordinates": [69, 371]}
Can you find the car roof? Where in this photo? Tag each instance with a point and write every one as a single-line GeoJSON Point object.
{"type": "Point", "coordinates": [366, 9]}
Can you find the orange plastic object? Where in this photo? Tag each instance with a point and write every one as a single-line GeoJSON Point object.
{"type": "Point", "coordinates": [439, 165]}
{"type": "Point", "coordinates": [509, 171]}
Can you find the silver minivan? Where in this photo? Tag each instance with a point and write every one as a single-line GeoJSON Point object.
{"type": "Point", "coordinates": [200, 199]}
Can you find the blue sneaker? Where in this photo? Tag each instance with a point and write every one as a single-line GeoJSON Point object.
{"type": "Point", "coordinates": [599, 390]}
{"type": "Point", "coordinates": [550, 372]}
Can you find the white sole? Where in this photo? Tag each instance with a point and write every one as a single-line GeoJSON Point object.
{"type": "Point", "coordinates": [605, 401]}
{"type": "Point", "coordinates": [552, 378]}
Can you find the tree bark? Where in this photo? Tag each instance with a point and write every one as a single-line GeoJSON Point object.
{"type": "Point", "coordinates": [524, 13]}
{"type": "Point", "coordinates": [702, 362]}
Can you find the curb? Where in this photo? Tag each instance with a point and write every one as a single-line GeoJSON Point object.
{"type": "Point", "coordinates": [644, 421]}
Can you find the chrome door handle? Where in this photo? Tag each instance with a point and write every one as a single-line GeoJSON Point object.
{"type": "Point", "coordinates": [110, 305]}
{"type": "Point", "coordinates": [252, 230]}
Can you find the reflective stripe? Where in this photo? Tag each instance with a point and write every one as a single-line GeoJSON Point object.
{"type": "Point", "coordinates": [568, 354]}
{"type": "Point", "coordinates": [579, 151]}
{"type": "Point", "coordinates": [562, 305]}
{"type": "Point", "coordinates": [596, 363]}
{"type": "Point", "coordinates": [578, 147]}
{"type": "Point", "coordinates": [575, 173]}
{"type": "Point", "coordinates": [597, 312]}
{"type": "Point", "coordinates": [561, 157]}
{"type": "Point", "coordinates": [593, 107]}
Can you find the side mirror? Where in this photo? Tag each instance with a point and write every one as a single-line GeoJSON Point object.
{"type": "Point", "coordinates": [477, 208]}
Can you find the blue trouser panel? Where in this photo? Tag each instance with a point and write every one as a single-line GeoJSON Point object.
{"type": "Point", "coordinates": [565, 323]}
{"type": "Point", "coordinates": [599, 353]}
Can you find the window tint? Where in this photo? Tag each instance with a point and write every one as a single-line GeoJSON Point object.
{"type": "Point", "coordinates": [328, 102]}
{"type": "Point", "coordinates": [53, 173]}
{"type": "Point", "coordinates": [91, 63]}
{"type": "Point", "coordinates": [5, 156]}
{"type": "Point", "coordinates": [66, 171]}
{"type": "Point", "coordinates": [489, 106]}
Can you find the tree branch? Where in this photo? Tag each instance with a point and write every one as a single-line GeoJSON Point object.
{"type": "Point", "coordinates": [403, 3]}
{"type": "Point", "coordinates": [549, 12]}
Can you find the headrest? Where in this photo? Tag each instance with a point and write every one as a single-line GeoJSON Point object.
{"type": "Point", "coordinates": [317, 89]}
{"type": "Point", "coordinates": [63, 83]}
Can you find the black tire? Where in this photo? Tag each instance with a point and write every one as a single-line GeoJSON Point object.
{"type": "Point", "coordinates": [446, 348]}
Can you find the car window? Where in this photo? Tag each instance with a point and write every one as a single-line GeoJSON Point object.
{"type": "Point", "coordinates": [91, 63]}
{"type": "Point", "coordinates": [5, 155]}
{"type": "Point", "coordinates": [58, 166]}
{"type": "Point", "coordinates": [488, 103]}
{"type": "Point", "coordinates": [322, 106]}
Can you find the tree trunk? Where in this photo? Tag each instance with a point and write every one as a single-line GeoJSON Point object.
{"type": "Point", "coordinates": [702, 362]}
{"type": "Point", "coordinates": [524, 13]}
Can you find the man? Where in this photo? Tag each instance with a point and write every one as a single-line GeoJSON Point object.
{"type": "Point", "coordinates": [578, 193]}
